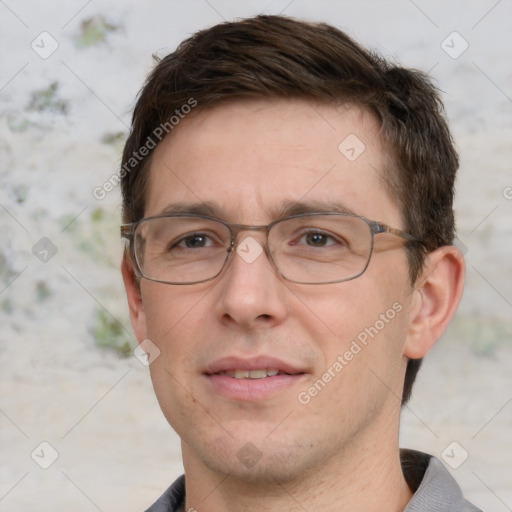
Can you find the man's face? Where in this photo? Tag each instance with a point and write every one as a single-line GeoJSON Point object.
{"type": "Point", "coordinates": [247, 160]}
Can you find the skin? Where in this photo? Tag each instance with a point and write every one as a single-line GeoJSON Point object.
{"type": "Point", "coordinates": [339, 451]}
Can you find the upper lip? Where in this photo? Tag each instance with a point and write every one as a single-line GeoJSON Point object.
{"type": "Point", "coordinates": [252, 363]}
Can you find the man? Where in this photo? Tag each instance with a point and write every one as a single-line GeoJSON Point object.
{"type": "Point", "coordinates": [288, 207]}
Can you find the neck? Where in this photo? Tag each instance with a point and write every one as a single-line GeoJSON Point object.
{"type": "Point", "coordinates": [370, 479]}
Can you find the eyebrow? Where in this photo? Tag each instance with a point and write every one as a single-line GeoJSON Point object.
{"type": "Point", "coordinates": [289, 208]}
{"type": "Point", "coordinates": [284, 209]}
{"type": "Point", "coordinates": [199, 208]}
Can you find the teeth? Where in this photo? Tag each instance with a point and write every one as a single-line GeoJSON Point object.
{"type": "Point", "coordinates": [258, 374]}
{"type": "Point", "coordinates": [251, 374]}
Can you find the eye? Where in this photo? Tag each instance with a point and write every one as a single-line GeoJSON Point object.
{"type": "Point", "coordinates": [194, 241]}
{"type": "Point", "coordinates": [317, 239]}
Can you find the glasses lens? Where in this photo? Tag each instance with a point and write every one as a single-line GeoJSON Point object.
{"type": "Point", "coordinates": [321, 248]}
{"type": "Point", "coordinates": [181, 249]}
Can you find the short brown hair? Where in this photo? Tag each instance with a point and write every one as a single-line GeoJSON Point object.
{"type": "Point", "coordinates": [272, 57]}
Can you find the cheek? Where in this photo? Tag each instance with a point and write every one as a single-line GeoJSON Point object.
{"type": "Point", "coordinates": [362, 325]}
{"type": "Point", "coordinates": [174, 320]}
{"type": "Point", "coordinates": [363, 366]}
{"type": "Point", "coordinates": [354, 309]}
{"type": "Point", "coordinates": [168, 308]}
{"type": "Point", "coordinates": [380, 333]}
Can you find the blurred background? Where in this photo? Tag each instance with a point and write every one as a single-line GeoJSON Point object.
{"type": "Point", "coordinates": [80, 427]}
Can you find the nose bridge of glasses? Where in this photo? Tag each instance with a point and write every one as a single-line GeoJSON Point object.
{"type": "Point", "coordinates": [238, 229]}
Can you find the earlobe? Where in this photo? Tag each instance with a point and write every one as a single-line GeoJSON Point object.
{"type": "Point", "coordinates": [136, 307]}
{"type": "Point", "coordinates": [436, 297]}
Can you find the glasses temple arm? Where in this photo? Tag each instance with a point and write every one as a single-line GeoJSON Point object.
{"type": "Point", "coordinates": [378, 227]}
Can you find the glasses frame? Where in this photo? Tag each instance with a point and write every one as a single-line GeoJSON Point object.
{"type": "Point", "coordinates": [376, 228]}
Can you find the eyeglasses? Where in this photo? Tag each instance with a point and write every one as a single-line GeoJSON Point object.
{"type": "Point", "coordinates": [313, 248]}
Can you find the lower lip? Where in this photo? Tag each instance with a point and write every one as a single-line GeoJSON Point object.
{"type": "Point", "coordinates": [251, 390]}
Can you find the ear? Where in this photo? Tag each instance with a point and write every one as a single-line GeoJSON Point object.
{"type": "Point", "coordinates": [437, 293]}
{"type": "Point", "coordinates": [136, 307]}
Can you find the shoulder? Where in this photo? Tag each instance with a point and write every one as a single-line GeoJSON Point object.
{"type": "Point", "coordinates": [172, 499]}
{"type": "Point", "coordinates": [435, 488]}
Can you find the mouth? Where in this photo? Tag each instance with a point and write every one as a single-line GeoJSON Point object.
{"type": "Point", "coordinates": [252, 374]}
{"type": "Point", "coordinates": [251, 379]}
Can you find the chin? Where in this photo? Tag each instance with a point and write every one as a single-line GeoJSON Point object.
{"type": "Point", "coordinates": [260, 461]}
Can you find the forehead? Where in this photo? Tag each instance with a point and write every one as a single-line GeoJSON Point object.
{"type": "Point", "coordinates": [246, 159]}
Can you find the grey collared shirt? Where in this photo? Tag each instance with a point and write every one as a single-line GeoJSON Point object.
{"type": "Point", "coordinates": [435, 489]}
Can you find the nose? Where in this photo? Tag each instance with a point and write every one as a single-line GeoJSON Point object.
{"type": "Point", "coordinates": [251, 294]}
